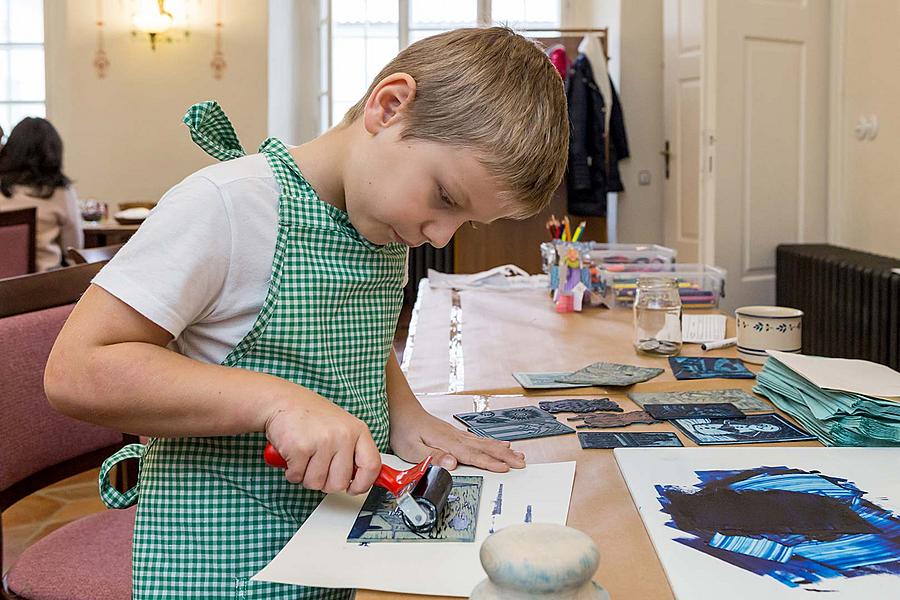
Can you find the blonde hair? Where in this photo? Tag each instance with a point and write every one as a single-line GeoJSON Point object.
{"type": "Point", "coordinates": [495, 92]}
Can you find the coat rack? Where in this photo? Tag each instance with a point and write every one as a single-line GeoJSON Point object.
{"type": "Point", "coordinates": [570, 37]}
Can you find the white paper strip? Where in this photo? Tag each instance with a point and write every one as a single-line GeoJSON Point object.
{"type": "Point", "coordinates": [319, 554]}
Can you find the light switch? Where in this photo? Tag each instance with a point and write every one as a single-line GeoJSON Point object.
{"type": "Point", "coordinates": [644, 177]}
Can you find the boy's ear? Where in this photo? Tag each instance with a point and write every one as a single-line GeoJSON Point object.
{"type": "Point", "coordinates": [387, 101]}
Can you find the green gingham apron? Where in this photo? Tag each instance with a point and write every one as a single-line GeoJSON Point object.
{"type": "Point", "coordinates": [210, 512]}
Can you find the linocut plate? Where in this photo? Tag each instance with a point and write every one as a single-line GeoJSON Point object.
{"type": "Point", "coordinates": [379, 519]}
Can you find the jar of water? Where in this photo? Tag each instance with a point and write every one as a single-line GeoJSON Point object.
{"type": "Point", "coordinates": [657, 316]}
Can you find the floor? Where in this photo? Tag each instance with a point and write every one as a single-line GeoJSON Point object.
{"type": "Point", "coordinates": [35, 516]}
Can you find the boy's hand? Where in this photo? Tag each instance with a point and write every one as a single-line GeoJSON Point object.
{"type": "Point", "coordinates": [417, 434]}
{"type": "Point", "coordinates": [322, 443]}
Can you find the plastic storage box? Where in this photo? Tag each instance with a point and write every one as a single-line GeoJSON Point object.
{"type": "Point", "coordinates": [700, 286]}
{"type": "Point", "coordinates": [595, 253]}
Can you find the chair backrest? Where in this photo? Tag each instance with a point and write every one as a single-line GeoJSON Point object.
{"type": "Point", "coordinates": [39, 446]}
{"type": "Point", "coordinates": [29, 293]}
{"type": "Point", "coordinates": [18, 242]}
{"type": "Point", "coordinates": [80, 256]}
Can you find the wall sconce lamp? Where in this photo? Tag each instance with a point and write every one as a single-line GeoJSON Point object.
{"type": "Point", "coordinates": [156, 20]}
{"type": "Point", "coordinates": [153, 21]}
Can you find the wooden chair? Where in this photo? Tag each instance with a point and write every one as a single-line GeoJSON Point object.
{"type": "Point", "coordinates": [80, 256]}
{"type": "Point", "coordinates": [90, 557]}
{"type": "Point", "coordinates": [18, 242]}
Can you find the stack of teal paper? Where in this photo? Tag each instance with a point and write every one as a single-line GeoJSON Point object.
{"type": "Point", "coordinates": [837, 418]}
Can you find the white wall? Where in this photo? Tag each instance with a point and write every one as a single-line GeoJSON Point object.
{"type": "Point", "coordinates": [294, 70]}
{"type": "Point", "coordinates": [641, 91]}
{"type": "Point", "coordinates": [865, 180]}
{"type": "Point", "coordinates": [123, 135]}
{"type": "Point", "coordinates": [636, 68]}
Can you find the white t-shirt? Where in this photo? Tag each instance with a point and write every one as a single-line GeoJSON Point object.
{"type": "Point", "coordinates": [200, 265]}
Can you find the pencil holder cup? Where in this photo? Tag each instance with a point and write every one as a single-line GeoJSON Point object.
{"type": "Point", "coordinates": [539, 561]}
{"type": "Point", "coordinates": [761, 328]}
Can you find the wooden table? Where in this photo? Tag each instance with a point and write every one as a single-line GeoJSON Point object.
{"type": "Point", "coordinates": [502, 332]}
{"type": "Point", "coordinates": [105, 232]}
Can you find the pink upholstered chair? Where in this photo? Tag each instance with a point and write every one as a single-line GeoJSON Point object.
{"type": "Point", "coordinates": [18, 246]}
{"type": "Point", "coordinates": [89, 558]}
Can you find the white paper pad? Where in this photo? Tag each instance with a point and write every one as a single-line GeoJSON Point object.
{"type": "Point", "coordinates": [319, 554]}
{"type": "Point", "coordinates": [697, 329]}
{"type": "Point", "coordinates": [844, 374]}
{"type": "Point", "coordinates": [695, 575]}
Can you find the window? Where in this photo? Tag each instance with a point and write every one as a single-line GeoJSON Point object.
{"type": "Point", "coordinates": [21, 62]}
{"type": "Point", "coordinates": [363, 35]}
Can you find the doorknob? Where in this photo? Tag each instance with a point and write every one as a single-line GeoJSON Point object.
{"type": "Point", "coordinates": [666, 154]}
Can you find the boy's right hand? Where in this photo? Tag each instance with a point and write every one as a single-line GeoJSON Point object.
{"type": "Point", "coordinates": [322, 444]}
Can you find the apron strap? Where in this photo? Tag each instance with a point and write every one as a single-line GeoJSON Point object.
{"type": "Point", "coordinates": [211, 130]}
{"type": "Point", "coordinates": [110, 496]}
{"type": "Point", "coordinates": [286, 171]}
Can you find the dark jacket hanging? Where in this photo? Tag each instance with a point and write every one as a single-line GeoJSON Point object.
{"type": "Point", "coordinates": [593, 164]}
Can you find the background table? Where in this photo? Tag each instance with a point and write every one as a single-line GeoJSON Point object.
{"type": "Point", "coordinates": [502, 332]}
{"type": "Point", "coordinates": [105, 232]}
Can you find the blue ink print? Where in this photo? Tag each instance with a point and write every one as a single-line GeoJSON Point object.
{"type": "Point", "coordinates": [459, 522]}
{"type": "Point", "coordinates": [498, 507]}
{"type": "Point", "coordinates": [498, 501]}
{"type": "Point", "coordinates": [700, 367]}
{"type": "Point", "coordinates": [797, 527]}
{"type": "Point", "coordinates": [528, 514]}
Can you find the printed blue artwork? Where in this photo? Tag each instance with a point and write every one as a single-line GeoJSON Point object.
{"type": "Point", "coordinates": [699, 367]}
{"type": "Point", "coordinates": [752, 429]}
{"type": "Point", "coordinates": [798, 527]}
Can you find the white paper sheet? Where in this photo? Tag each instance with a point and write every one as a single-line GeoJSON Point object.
{"type": "Point", "coordinates": [703, 328]}
{"type": "Point", "coordinates": [844, 374]}
{"type": "Point", "coordinates": [319, 554]}
{"type": "Point", "coordinates": [506, 278]}
{"type": "Point", "coordinates": [695, 575]}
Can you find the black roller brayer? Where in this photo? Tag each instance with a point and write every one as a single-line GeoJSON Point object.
{"type": "Point", "coordinates": [421, 491]}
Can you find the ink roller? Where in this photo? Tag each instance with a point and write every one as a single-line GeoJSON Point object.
{"type": "Point", "coordinates": [421, 491]}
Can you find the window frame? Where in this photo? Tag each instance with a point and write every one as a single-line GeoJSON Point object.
{"type": "Point", "coordinates": [326, 88]}
{"type": "Point", "coordinates": [7, 102]}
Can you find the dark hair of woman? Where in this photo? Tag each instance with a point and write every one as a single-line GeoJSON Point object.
{"type": "Point", "coordinates": [32, 158]}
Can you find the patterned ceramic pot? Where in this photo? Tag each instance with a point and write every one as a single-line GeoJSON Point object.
{"type": "Point", "coordinates": [761, 328]}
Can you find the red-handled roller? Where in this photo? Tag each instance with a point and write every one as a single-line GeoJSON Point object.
{"type": "Point", "coordinates": [421, 491]}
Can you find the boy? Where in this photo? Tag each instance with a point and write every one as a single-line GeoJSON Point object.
{"type": "Point", "coordinates": [288, 264]}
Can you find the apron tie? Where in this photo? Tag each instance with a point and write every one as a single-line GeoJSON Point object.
{"type": "Point", "coordinates": [211, 130]}
{"type": "Point", "coordinates": [110, 496]}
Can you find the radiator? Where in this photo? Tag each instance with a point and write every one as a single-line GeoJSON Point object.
{"type": "Point", "coordinates": [421, 259]}
{"type": "Point", "coordinates": [850, 300]}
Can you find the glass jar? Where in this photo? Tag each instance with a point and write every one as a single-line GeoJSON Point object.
{"type": "Point", "coordinates": [657, 316]}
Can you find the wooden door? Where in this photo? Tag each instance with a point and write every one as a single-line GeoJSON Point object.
{"type": "Point", "coordinates": [766, 86]}
{"type": "Point", "coordinates": [683, 47]}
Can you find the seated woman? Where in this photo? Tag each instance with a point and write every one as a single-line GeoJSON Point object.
{"type": "Point", "coordinates": [31, 175]}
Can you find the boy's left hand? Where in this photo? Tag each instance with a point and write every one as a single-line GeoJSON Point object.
{"type": "Point", "coordinates": [418, 434]}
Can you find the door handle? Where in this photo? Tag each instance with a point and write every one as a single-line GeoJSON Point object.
{"type": "Point", "coordinates": [666, 154]}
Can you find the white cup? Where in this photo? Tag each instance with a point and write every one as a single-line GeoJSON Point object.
{"type": "Point", "coordinates": [761, 328]}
